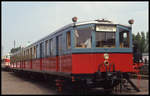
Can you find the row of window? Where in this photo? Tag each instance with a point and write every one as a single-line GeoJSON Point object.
{"type": "Point", "coordinates": [103, 39]}
{"type": "Point", "coordinates": [44, 49]}
{"type": "Point", "coordinates": [83, 39]}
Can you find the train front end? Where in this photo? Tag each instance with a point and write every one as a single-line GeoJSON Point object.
{"type": "Point", "coordinates": [102, 53]}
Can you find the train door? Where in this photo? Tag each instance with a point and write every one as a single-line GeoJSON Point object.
{"type": "Point", "coordinates": [59, 43]}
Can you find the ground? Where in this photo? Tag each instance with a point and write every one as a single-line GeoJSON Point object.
{"type": "Point", "coordinates": [13, 84]}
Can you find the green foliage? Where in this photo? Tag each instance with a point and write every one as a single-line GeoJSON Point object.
{"type": "Point", "coordinates": [13, 50]}
{"type": "Point", "coordinates": [133, 37]}
{"type": "Point", "coordinates": [147, 41]}
{"type": "Point", "coordinates": [142, 40]}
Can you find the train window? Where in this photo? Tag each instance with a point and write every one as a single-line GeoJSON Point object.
{"type": "Point", "coordinates": [41, 50]}
{"type": "Point", "coordinates": [21, 55]}
{"type": "Point", "coordinates": [27, 53]}
{"type": "Point", "coordinates": [46, 48]}
{"type": "Point", "coordinates": [68, 40]}
{"type": "Point", "coordinates": [18, 56]}
{"type": "Point", "coordinates": [83, 38]}
{"type": "Point", "coordinates": [105, 39]}
{"type": "Point", "coordinates": [33, 52]}
{"type": "Point", "coordinates": [24, 56]}
{"type": "Point", "coordinates": [49, 47]}
{"type": "Point", "coordinates": [30, 53]}
{"type": "Point", "coordinates": [52, 47]}
{"type": "Point", "coordinates": [59, 46]}
{"type": "Point", "coordinates": [124, 38]}
{"type": "Point", "coordinates": [36, 51]}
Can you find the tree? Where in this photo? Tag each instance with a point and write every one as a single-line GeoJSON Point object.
{"type": "Point", "coordinates": [147, 41]}
{"type": "Point", "coordinates": [143, 42]}
{"type": "Point", "coordinates": [13, 50]}
{"type": "Point", "coordinates": [138, 39]}
{"type": "Point", "coordinates": [133, 37]}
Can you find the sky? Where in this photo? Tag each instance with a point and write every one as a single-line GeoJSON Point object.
{"type": "Point", "coordinates": [29, 21]}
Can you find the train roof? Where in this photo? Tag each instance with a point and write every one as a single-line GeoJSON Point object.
{"type": "Point", "coordinates": [98, 21]}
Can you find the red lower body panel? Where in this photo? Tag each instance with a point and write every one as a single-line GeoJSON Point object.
{"type": "Point", "coordinates": [49, 64]}
{"type": "Point", "coordinates": [56, 64]}
{"type": "Point", "coordinates": [88, 63]}
{"type": "Point", "coordinates": [65, 65]}
{"type": "Point", "coordinates": [79, 63]}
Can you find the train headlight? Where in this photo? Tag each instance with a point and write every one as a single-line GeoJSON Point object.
{"type": "Point", "coordinates": [106, 56]}
{"type": "Point", "coordinates": [106, 62]}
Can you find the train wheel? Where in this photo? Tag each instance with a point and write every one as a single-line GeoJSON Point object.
{"type": "Point", "coordinates": [59, 85]}
{"type": "Point", "coordinates": [32, 76]}
{"type": "Point", "coordinates": [108, 90]}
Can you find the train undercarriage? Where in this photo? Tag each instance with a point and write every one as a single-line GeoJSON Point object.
{"type": "Point", "coordinates": [112, 81]}
{"type": "Point", "coordinates": [109, 81]}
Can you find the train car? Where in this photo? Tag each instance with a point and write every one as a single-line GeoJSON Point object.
{"type": "Point", "coordinates": [97, 53]}
{"type": "Point", "coordinates": [6, 62]}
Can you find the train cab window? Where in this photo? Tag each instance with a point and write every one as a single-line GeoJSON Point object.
{"type": "Point", "coordinates": [83, 38]}
{"type": "Point", "coordinates": [105, 36]}
{"type": "Point", "coordinates": [124, 38]}
{"type": "Point", "coordinates": [68, 40]}
{"type": "Point", "coordinates": [105, 39]}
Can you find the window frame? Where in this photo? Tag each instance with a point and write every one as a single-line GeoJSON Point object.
{"type": "Point", "coordinates": [121, 40]}
{"type": "Point", "coordinates": [46, 48]}
{"type": "Point", "coordinates": [37, 51]}
{"type": "Point", "coordinates": [129, 33]}
{"type": "Point", "coordinates": [106, 35]}
{"type": "Point", "coordinates": [68, 46]}
{"type": "Point", "coordinates": [52, 46]}
{"type": "Point", "coordinates": [91, 39]}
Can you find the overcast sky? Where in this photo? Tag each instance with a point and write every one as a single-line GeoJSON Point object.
{"type": "Point", "coordinates": [30, 21]}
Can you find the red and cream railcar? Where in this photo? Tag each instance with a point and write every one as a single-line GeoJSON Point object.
{"type": "Point", "coordinates": [5, 64]}
{"type": "Point", "coordinates": [79, 50]}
